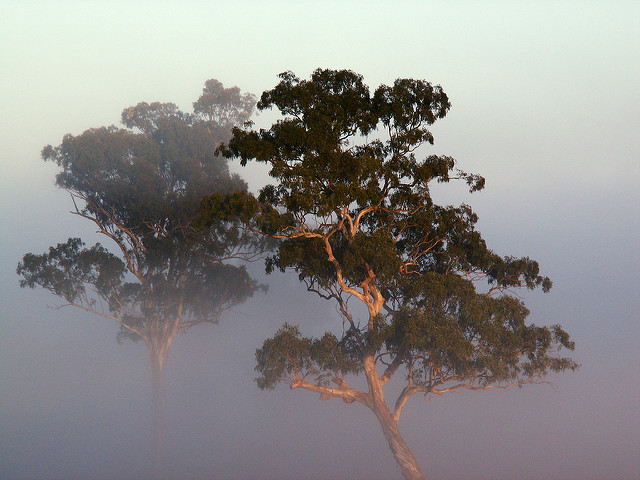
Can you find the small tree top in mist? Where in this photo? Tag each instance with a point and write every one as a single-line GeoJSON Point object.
{"type": "Point", "coordinates": [224, 107]}
{"type": "Point", "coordinates": [353, 209]}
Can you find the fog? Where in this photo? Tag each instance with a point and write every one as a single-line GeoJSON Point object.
{"type": "Point", "coordinates": [545, 106]}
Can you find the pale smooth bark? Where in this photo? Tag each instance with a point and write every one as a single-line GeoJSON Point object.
{"type": "Point", "coordinates": [389, 423]}
{"type": "Point", "coordinates": [401, 452]}
{"type": "Point", "coordinates": [372, 297]}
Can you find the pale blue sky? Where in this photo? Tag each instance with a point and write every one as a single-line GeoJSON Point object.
{"type": "Point", "coordinates": [545, 105]}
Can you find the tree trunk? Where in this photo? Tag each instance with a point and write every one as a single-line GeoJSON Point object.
{"type": "Point", "coordinates": [158, 353]}
{"type": "Point", "coordinates": [399, 448]}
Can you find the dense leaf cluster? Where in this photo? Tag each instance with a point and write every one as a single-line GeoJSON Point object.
{"type": "Point", "coordinates": [67, 268]}
{"type": "Point", "coordinates": [288, 354]}
{"type": "Point", "coordinates": [147, 181]}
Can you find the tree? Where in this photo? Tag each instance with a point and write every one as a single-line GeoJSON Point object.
{"type": "Point", "coordinates": [141, 187]}
{"type": "Point", "coordinates": [357, 223]}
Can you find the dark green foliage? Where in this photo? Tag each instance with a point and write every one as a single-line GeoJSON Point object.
{"type": "Point", "coordinates": [67, 269]}
{"type": "Point", "coordinates": [353, 208]}
{"type": "Point", "coordinates": [142, 188]}
{"type": "Point", "coordinates": [143, 180]}
{"type": "Point", "coordinates": [288, 354]}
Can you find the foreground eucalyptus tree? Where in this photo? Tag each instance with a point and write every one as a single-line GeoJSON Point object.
{"type": "Point", "coordinates": [141, 187]}
{"type": "Point", "coordinates": [356, 220]}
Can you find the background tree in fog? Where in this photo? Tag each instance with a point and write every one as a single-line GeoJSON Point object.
{"type": "Point", "coordinates": [141, 187]}
{"type": "Point", "coordinates": [419, 293]}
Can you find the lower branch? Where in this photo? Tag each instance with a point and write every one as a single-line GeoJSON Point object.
{"type": "Point", "coordinates": [471, 386]}
{"type": "Point", "coordinates": [104, 315]}
{"type": "Point", "coordinates": [410, 390]}
{"type": "Point", "coordinates": [467, 386]}
{"type": "Point", "coordinates": [343, 390]}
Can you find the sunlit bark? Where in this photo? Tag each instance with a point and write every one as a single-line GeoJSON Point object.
{"type": "Point", "coordinates": [399, 448]}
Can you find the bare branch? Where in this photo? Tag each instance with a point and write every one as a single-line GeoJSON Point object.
{"type": "Point", "coordinates": [141, 333]}
{"type": "Point", "coordinates": [343, 390]}
{"type": "Point", "coordinates": [391, 369]}
{"type": "Point", "coordinates": [133, 268]}
{"type": "Point", "coordinates": [346, 288]}
{"type": "Point", "coordinates": [471, 386]}
{"type": "Point", "coordinates": [404, 396]}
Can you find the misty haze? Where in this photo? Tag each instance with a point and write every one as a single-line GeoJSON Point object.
{"type": "Point", "coordinates": [320, 241]}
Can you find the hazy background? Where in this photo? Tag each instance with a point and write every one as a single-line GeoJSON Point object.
{"type": "Point", "coordinates": [545, 105]}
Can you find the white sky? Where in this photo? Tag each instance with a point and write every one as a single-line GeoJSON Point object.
{"type": "Point", "coordinates": [546, 106]}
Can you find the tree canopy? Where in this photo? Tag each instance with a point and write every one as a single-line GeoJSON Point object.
{"type": "Point", "coordinates": [141, 186]}
{"type": "Point", "coordinates": [353, 209]}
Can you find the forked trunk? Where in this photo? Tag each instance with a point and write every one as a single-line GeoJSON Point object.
{"type": "Point", "coordinates": [399, 448]}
